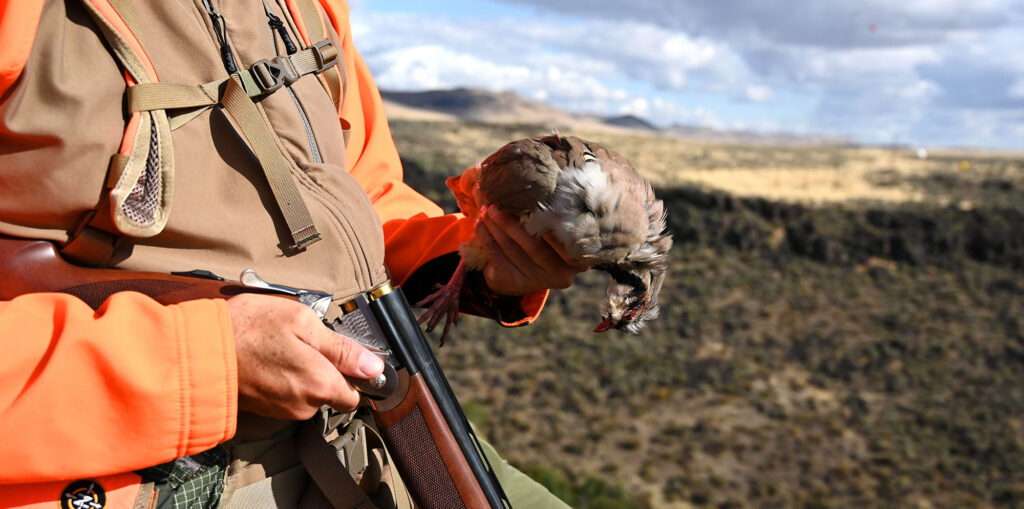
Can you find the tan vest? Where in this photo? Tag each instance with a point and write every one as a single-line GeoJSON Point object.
{"type": "Point", "coordinates": [66, 118]}
{"type": "Point", "coordinates": [69, 112]}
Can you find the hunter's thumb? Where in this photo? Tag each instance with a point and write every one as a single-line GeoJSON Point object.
{"type": "Point", "coordinates": [357, 361]}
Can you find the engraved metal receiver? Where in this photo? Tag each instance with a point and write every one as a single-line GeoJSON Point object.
{"type": "Point", "coordinates": [353, 323]}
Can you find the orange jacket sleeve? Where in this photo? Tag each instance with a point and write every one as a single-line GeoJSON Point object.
{"type": "Point", "coordinates": [143, 383]}
{"type": "Point", "coordinates": [416, 230]}
{"type": "Point", "coordinates": [18, 22]}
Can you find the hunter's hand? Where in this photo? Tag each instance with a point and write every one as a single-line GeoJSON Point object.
{"type": "Point", "coordinates": [289, 364]}
{"type": "Point", "coordinates": [521, 263]}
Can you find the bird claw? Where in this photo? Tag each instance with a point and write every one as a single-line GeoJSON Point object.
{"type": "Point", "coordinates": [443, 304]}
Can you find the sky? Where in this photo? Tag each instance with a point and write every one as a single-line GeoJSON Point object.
{"type": "Point", "coordinates": [912, 72]}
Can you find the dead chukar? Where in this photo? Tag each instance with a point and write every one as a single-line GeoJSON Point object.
{"type": "Point", "coordinates": [594, 202]}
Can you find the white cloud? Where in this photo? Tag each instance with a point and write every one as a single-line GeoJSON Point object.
{"type": "Point", "coordinates": [758, 93]}
{"type": "Point", "coordinates": [809, 23]}
{"type": "Point", "coordinates": [638, 106]}
{"type": "Point", "coordinates": [677, 47]}
{"type": "Point", "coordinates": [434, 66]}
{"type": "Point", "coordinates": [637, 51]}
{"type": "Point", "coordinates": [667, 112]}
{"type": "Point", "coordinates": [800, 64]}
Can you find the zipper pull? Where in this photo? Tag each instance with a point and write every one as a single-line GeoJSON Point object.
{"type": "Point", "coordinates": [278, 25]}
{"type": "Point", "coordinates": [220, 29]}
{"type": "Point", "coordinates": [229, 60]}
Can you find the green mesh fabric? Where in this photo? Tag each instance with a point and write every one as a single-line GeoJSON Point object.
{"type": "Point", "coordinates": [191, 482]}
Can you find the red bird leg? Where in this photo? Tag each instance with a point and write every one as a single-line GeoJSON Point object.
{"type": "Point", "coordinates": [444, 303]}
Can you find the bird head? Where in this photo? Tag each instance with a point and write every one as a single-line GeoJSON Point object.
{"type": "Point", "coordinates": [636, 280]}
{"type": "Point", "coordinates": [632, 298]}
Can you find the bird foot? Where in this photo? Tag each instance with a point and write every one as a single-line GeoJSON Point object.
{"type": "Point", "coordinates": [443, 304]}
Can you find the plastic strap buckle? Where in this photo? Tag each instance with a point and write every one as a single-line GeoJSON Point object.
{"type": "Point", "coordinates": [271, 74]}
{"type": "Point", "coordinates": [326, 55]}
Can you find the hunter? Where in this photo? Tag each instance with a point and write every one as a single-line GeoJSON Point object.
{"type": "Point", "coordinates": [166, 136]}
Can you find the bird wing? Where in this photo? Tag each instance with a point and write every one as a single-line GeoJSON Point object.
{"type": "Point", "coordinates": [519, 176]}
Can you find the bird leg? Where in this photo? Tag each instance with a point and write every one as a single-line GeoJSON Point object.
{"type": "Point", "coordinates": [444, 303]}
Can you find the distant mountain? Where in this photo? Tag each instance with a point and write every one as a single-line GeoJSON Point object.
{"type": "Point", "coordinates": [479, 105]}
{"type": "Point", "coordinates": [631, 121]}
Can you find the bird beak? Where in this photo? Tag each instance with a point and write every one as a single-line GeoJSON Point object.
{"type": "Point", "coordinates": [604, 325]}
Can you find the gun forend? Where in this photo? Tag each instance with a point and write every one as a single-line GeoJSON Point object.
{"type": "Point", "coordinates": [424, 412]}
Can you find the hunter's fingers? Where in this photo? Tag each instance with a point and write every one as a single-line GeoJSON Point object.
{"type": "Point", "coordinates": [289, 364]}
{"type": "Point", "coordinates": [324, 385]}
{"type": "Point", "coordinates": [540, 259]}
{"type": "Point", "coordinates": [537, 249]}
{"type": "Point", "coordinates": [345, 355]}
{"type": "Point", "coordinates": [503, 250]}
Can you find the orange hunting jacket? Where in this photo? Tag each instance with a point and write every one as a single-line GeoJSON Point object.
{"type": "Point", "coordinates": [77, 384]}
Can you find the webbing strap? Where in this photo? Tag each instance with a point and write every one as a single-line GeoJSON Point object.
{"type": "Point", "coordinates": [169, 96]}
{"type": "Point", "coordinates": [235, 94]}
{"type": "Point", "coordinates": [314, 25]}
{"type": "Point", "coordinates": [261, 78]}
{"type": "Point", "coordinates": [321, 461]}
{"type": "Point", "coordinates": [91, 242]}
{"type": "Point", "coordinates": [90, 246]}
{"type": "Point", "coordinates": [272, 161]}
{"type": "Point", "coordinates": [94, 239]}
{"type": "Point", "coordinates": [268, 75]}
{"type": "Point", "coordinates": [126, 10]}
{"type": "Point", "coordinates": [311, 19]}
{"type": "Point", "coordinates": [118, 22]}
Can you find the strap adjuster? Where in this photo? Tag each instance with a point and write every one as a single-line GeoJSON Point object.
{"type": "Point", "coordinates": [267, 75]}
{"type": "Point", "coordinates": [325, 54]}
{"type": "Point", "coordinates": [272, 74]}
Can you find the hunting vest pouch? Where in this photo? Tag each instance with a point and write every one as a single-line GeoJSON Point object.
{"type": "Point", "coordinates": [142, 183]}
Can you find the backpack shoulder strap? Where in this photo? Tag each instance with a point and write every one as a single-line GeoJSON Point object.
{"type": "Point", "coordinates": [311, 24]}
{"type": "Point", "coordinates": [137, 199]}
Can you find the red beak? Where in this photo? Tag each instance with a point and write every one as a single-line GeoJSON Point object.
{"type": "Point", "coordinates": [604, 325]}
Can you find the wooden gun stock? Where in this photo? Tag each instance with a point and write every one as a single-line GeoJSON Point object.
{"type": "Point", "coordinates": [33, 266]}
{"type": "Point", "coordinates": [422, 423]}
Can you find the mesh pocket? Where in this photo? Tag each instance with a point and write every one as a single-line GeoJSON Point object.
{"type": "Point", "coordinates": [141, 204]}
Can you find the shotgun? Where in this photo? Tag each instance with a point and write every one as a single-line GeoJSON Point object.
{"type": "Point", "coordinates": [413, 405]}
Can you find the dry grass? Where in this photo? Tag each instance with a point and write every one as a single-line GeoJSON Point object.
{"type": "Point", "coordinates": [811, 174]}
{"type": "Point", "coordinates": [806, 174]}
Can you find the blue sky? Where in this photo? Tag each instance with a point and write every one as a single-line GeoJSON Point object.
{"type": "Point", "coordinates": [920, 72]}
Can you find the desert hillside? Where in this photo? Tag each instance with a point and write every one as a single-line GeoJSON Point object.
{"type": "Point", "coordinates": [842, 327]}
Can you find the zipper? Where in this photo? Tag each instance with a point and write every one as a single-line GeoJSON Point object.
{"type": "Point", "coordinates": [220, 29]}
{"type": "Point", "coordinates": [358, 253]}
{"type": "Point", "coordinates": [314, 150]}
{"type": "Point", "coordinates": [277, 26]}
